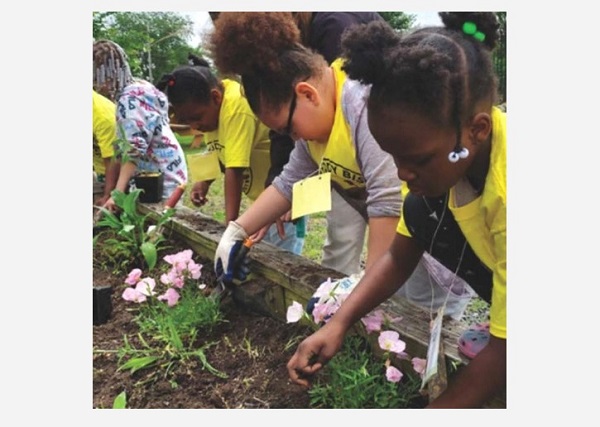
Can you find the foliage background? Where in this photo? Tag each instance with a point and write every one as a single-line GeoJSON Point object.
{"type": "Point", "coordinates": [157, 42]}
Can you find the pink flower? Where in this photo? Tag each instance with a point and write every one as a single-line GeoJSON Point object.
{"type": "Point", "coordinates": [419, 365]}
{"type": "Point", "coordinates": [171, 296]}
{"type": "Point", "coordinates": [146, 286]}
{"type": "Point", "coordinates": [131, 294]}
{"type": "Point", "coordinates": [134, 276]}
{"type": "Point", "coordinates": [180, 260]}
{"type": "Point", "coordinates": [393, 374]}
{"type": "Point", "coordinates": [323, 311]}
{"type": "Point", "coordinates": [390, 341]}
{"type": "Point", "coordinates": [194, 269]}
{"type": "Point", "coordinates": [294, 312]}
{"type": "Point", "coordinates": [373, 321]}
{"type": "Point", "coordinates": [168, 277]}
{"type": "Point", "coordinates": [324, 289]}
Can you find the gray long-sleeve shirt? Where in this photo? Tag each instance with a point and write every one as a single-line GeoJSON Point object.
{"type": "Point", "coordinates": [382, 195]}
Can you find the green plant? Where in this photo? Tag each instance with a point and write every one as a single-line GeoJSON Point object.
{"type": "Point", "coordinates": [169, 323]}
{"type": "Point", "coordinates": [120, 401]}
{"type": "Point", "coordinates": [355, 378]}
{"type": "Point", "coordinates": [164, 357]}
{"type": "Point", "coordinates": [131, 240]}
{"type": "Point", "coordinates": [246, 345]}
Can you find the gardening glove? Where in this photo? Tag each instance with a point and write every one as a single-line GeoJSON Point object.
{"type": "Point", "coordinates": [229, 246]}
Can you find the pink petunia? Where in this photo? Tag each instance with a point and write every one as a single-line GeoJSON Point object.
{"type": "Point", "coordinates": [180, 260]}
{"type": "Point", "coordinates": [171, 296]}
{"type": "Point", "coordinates": [323, 311]}
{"type": "Point", "coordinates": [194, 269]}
{"type": "Point", "coordinates": [419, 365]}
{"type": "Point", "coordinates": [131, 294]}
{"type": "Point", "coordinates": [373, 321]}
{"type": "Point", "coordinates": [146, 286]}
{"type": "Point", "coordinates": [324, 289]}
{"type": "Point", "coordinates": [133, 276]}
{"type": "Point", "coordinates": [167, 278]}
{"type": "Point", "coordinates": [294, 312]}
{"type": "Point", "coordinates": [393, 374]}
{"type": "Point", "coordinates": [390, 341]}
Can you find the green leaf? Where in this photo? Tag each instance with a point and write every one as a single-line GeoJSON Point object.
{"type": "Point", "coordinates": [120, 401]}
{"type": "Point", "coordinates": [130, 203]}
{"type": "Point", "coordinates": [150, 254]}
{"type": "Point", "coordinates": [175, 339]}
{"type": "Point", "coordinates": [138, 363]}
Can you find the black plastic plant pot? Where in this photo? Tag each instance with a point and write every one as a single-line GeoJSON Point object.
{"type": "Point", "coordinates": [102, 304]}
{"type": "Point", "coordinates": [152, 184]}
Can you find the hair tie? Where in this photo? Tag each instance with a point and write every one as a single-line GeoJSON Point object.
{"type": "Point", "coordinates": [171, 82]}
{"type": "Point", "coordinates": [470, 29]}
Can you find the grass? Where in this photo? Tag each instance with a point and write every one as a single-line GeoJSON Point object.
{"type": "Point", "coordinates": [215, 208]}
{"type": "Point", "coordinates": [354, 378]}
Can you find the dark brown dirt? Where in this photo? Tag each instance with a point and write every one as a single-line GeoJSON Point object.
{"type": "Point", "coordinates": [250, 348]}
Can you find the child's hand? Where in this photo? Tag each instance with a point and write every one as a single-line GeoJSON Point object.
{"type": "Point", "coordinates": [110, 205]}
{"type": "Point", "coordinates": [313, 353]}
{"type": "Point", "coordinates": [199, 192]}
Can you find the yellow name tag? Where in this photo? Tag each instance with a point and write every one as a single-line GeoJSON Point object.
{"type": "Point", "coordinates": [203, 166]}
{"type": "Point", "coordinates": [311, 195]}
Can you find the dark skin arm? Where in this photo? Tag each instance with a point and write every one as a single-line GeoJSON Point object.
{"type": "Point", "coordinates": [233, 193]}
{"type": "Point", "coordinates": [112, 169]}
{"type": "Point", "coordinates": [477, 383]}
{"type": "Point", "coordinates": [378, 284]}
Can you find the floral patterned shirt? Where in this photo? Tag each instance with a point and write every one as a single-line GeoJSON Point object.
{"type": "Point", "coordinates": [143, 121]}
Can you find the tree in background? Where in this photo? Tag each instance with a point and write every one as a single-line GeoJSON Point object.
{"type": "Point", "coordinates": [399, 20]}
{"type": "Point", "coordinates": [500, 56]}
{"type": "Point", "coordinates": [156, 42]}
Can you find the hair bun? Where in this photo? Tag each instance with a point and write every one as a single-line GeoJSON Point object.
{"type": "Point", "coordinates": [364, 47]}
{"type": "Point", "coordinates": [250, 42]}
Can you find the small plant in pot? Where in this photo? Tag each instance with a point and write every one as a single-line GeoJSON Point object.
{"type": "Point", "coordinates": [151, 184]}
{"type": "Point", "coordinates": [129, 240]}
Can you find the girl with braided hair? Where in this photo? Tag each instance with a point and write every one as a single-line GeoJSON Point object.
{"type": "Point", "coordinates": [219, 110]}
{"type": "Point", "coordinates": [432, 107]}
{"type": "Point", "coordinates": [142, 121]}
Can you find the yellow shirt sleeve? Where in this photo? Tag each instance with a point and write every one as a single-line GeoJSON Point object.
{"type": "Point", "coordinates": [104, 127]}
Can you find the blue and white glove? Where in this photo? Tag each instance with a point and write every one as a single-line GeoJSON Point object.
{"type": "Point", "coordinates": [229, 246]}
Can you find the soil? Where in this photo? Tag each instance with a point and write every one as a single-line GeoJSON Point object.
{"type": "Point", "coordinates": [250, 348]}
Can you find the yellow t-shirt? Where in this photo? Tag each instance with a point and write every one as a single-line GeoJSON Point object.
{"type": "Point", "coordinates": [483, 223]}
{"type": "Point", "coordinates": [104, 130]}
{"type": "Point", "coordinates": [338, 155]}
{"type": "Point", "coordinates": [241, 140]}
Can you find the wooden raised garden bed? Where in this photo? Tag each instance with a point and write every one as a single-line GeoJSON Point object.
{"type": "Point", "coordinates": [286, 277]}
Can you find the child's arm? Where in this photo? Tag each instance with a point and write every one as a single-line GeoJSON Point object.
{"type": "Point", "coordinates": [381, 235]}
{"type": "Point", "coordinates": [269, 206]}
{"type": "Point", "coordinates": [482, 379]}
{"type": "Point", "coordinates": [233, 193]}
{"type": "Point", "coordinates": [378, 284]}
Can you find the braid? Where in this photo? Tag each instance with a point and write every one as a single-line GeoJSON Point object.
{"type": "Point", "coordinates": [440, 72]}
{"type": "Point", "coordinates": [111, 68]}
{"type": "Point", "coordinates": [189, 82]}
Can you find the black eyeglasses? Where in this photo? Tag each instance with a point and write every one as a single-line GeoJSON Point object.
{"type": "Point", "coordinates": [288, 127]}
